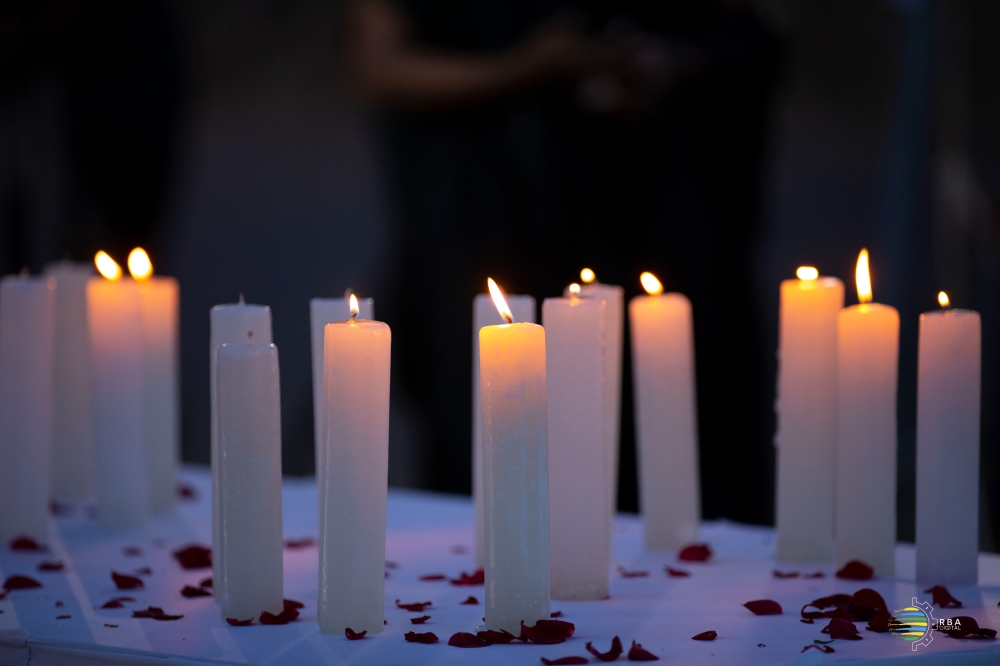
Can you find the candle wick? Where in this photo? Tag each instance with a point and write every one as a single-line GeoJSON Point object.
{"type": "Point", "coordinates": [25, 272]}
{"type": "Point", "coordinates": [510, 320]}
{"type": "Point", "coordinates": [242, 302]}
{"type": "Point", "coordinates": [351, 320]}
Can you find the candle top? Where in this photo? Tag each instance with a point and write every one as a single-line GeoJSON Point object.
{"type": "Point", "coordinates": [950, 312]}
{"type": "Point", "coordinates": [241, 304]}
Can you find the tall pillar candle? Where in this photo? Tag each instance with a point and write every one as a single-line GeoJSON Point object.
{"type": "Point", "coordinates": [515, 473]}
{"type": "Point", "coordinates": [948, 402]}
{"type": "Point", "coordinates": [579, 529]}
{"type": "Point", "coordinates": [353, 482]}
{"type": "Point", "coordinates": [249, 405]}
{"type": "Point", "coordinates": [71, 436]}
{"type": "Point", "coordinates": [26, 346]}
{"type": "Point", "coordinates": [116, 359]}
{"type": "Point", "coordinates": [807, 416]}
{"type": "Point", "coordinates": [868, 360]}
{"type": "Point", "coordinates": [484, 313]}
{"type": "Point", "coordinates": [229, 324]}
{"type": "Point", "coordinates": [665, 416]}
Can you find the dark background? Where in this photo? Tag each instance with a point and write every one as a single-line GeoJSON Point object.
{"type": "Point", "coordinates": [224, 136]}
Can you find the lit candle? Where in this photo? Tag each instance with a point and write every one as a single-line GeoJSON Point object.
{"type": "Point", "coordinates": [665, 416]}
{"type": "Point", "coordinates": [807, 415]}
{"type": "Point", "coordinates": [484, 313]}
{"type": "Point", "coordinates": [26, 346]}
{"type": "Point", "coordinates": [249, 404]}
{"type": "Point", "coordinates": [579, 530]}
{"type": "Point", "coordinates": [515, 471]}
{"type": "Point", "coordinates": [121, 478]}
{"type": "Point", "coordinates": [71, 436]}
{"type": "Point", "coordinates": [868, 359]}
{"type": "Point", "coordinates": [158, 305]}
{"type": "Point", "coordinates": [229, 324]}
{"type": "Point", "coordinates": [948, 399]}
{"type": "Point", "coordinates": [353, 481]}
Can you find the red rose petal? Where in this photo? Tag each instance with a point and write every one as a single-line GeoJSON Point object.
{"type": "Point", "coordinates": [419, 620]}
{"type": "Point", "coordinates": [676, 573]}
{"type": "Point", "coordinates": [696, 552]}
{"type": "Point", "coordinates": [880, 622]}
{"type": "Point", "coordinates": [18, 582]}
{"type": "Point", "coordinates": [284, 617]}
{"type": "Point", "coordinates": [143, 571]}
{"type": "Point", "coordinates": [625, 573]}
{"type": "Point", "coordinates": [59, 604]}
{"type": "Point", "coordinates": [132, 551]}
{"type": "Point", "coordinates": [705, 636]}
{"type": "Point", "coordinates": [432, 577]}
{"type": "Point", "coordinates": [416, 607]}
{"type": "Point", "coordinates": [414, 637]}
{"type": "Point", "coordinates": [239, 623]}
{"type": "Point", "coordinates": [116, 602]}
{"type": "Point", "coordinates": [837, 600]}
{"type": "Point", "coordinates": [126, 582]}
{"type": "Point", "coordinates": [547, 632]}
{"type": "Point", "coordinates": [51, 566]}
{"type": "Point", "coordinates": [856, 570]}
{"type": "Point", "coordinates": [826, 649]}
{"type": "Point", "coordinates": [942, 597]}
{"type": "Point", "coordinates": [291, 604]}
{"type": "Point", "coordinates": [155, 613]}
{"type": "Point", "coordinates": [639, 653]}
{"type": "Point", "coordinates": [186, 491]}
{"type": "Point", "coordinates": [471, 601]}
{"type": "Point", "coordinates": [815, 574]}
{"type": "Point", "coordinates": [194, 556]}
{"type": "Point", "coordinates": [841, 628]}
{"type": "Point", "coordinates": [478, 577]}
{"type": "Point", "coordinates": [964, 626]}
{"type": "Point", "coordinates": [63, 617]}
{"type": "Point", "coordinates": [611, 655]}
{"type": "Point", "coordinates": [464, 639]}
{"type": "Point", "coordinates": [205, 582]}
{"type": "Point", "coordinates": [565, 661]}
{"type": "Point", "coordinates": [191, 592]}
{"type": "Point", "coordinates": [763, 607]}
{"type": "Point", "coordinates": [27, 544]}
{"type": "Point", "coordinates": [785, 574]}
{"type": "Point", "coordinates": [113, 626]}
{"type": "Point", "coordinates": [354, 635]}
{"type": "Point", "coordinates": [501, 637]}
{"type": "Point", "coordinates": [556, 614]}
{"type": "Point", "coordinates": [866, 604]}
{"type": "Point", "coordinates": [297, 544]}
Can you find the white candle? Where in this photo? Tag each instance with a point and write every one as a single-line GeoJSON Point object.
{"type": "Point", "coordinates": [249, 403]}
{"type": "Point", "coordinates": [353, 482]}
{"type": "Point", "coordinates": [868, 360]}
{"type": "Point", "coordinates": [118, 398]}
{"type": "Point", "coordinates": [159, 300]}
{"type": "Point", "coordinates": [229, 324]}
{"type": "Point", "coordinates": [26, 348]}
{"type": "Point", "coordinates": [807, 416]}
{"type": "Point", "coordinates": [948, 398]}
{"type": "Point", "coordinates": [71, 437]}
{"type": "Point", "coordinates": [515, 472]}
{"type": "Point", "coordinates": [665, 416]}
{"type": "Point", "coordinates": [579, 530]}
{"type": "Point", "coordinates": [484, 313]}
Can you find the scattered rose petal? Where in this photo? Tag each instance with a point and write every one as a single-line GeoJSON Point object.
{"type": "Point", "coordinates": [126, 582]}
{"type": "Point", "coordinates": [676, 573]}
{"type": "Point", "coordinates": [415, 607]}
{"type": "Point", "coordinates": [696, 552]}
{"type": "Point", "coordinates": [354, 635]}
{"type": "Point", "coordinates": [297, 544]}
{"type": "Point", "coordinates": [639, 653]}
{"type": "Point", "coordinates": [501, 637]}
{"type": "Point", "coordinates": [51, 566]}
{"type": "Point", "coordinates": [785, 574]}
{"type": "Point", "coordinates": [880, 622]}
{"type": "Point", "coordinates": [763, 607]}
{"type": "Point", "coordinates": [291, 604]}
{"type": "Point", "coordinates": [18, 582]}
{"type": "Point", "coordinates": [761, 645]}
{"type": "Point", "coordinates": [414, 637]}
{"type": "Point", "coordinates": [547, 632]}
{"type": "Point", "coordinates": [155, 613]}
{"type": "Point", "coordinates": [132, 551]}
{"type": "Point", "coordinates": [471, 601]}
{"type": "Point", "coordinates": [419, 620]}
{"type": "Point", "coordinates": [964, 626]}
{"type": "Point", "coordinates": [464, 639]}
{"type": "Point", "coordinates": [565, 661]}
{"type": "Point", "coordinates": [63, 617]}
{"type": "Point", "coordinates": [625, 573]}
{"type": "Point", "coordinates": [239, 623]}
{"type": "Point", "coordinates": [841, 628]}
{"type": "Point", "coordinates": [284, 617]}
{"type": "Point", "coordinates": [705, 636]}
{"type": "Point", "coordinates": [194, 556]}
{"type": "Point", "coordinates": [60, 509]}
{"type": "Point", "coordinates": [113, 604]}
{"type": "Point", "coordinates": [27, 544]}
{"type": "Point", "coordinates": [143, 571]}
{"type": "Point", "coordinates": [478, 577]}
{"type": "Point", "coordinates": [611, 655]}
{"type": "Point", "coordinates": [205, 582]}
{"type": "Point", "coordinates": [866, 604]}
{"type": "Point", "coordinates": [191, 592]}
{"type": "Point", "coordinates": [856, 570]}
{"type": "Point", "coordinates": [822, 648]}
{"type": "Point", "coordinates": [113, 626]}
{"type": "Point", "coordinates": [186, 491]}
{"type": "Point", "coordinates": [59, 604]}
{"type": "Point", "coordinates": [815, 574]}
{"type": "Point", "coordinates": [389, 564]}
{"type": "Point", "coordinates": [432, 577]}
{"type": "Point", "coordinates": [942, 597]}
{"type": "Point", "coordinates": [459, 550]}
{"type": "Point", "coordinates": [556, 614]}
{"type": "Point", "coordinates": [836, 600]}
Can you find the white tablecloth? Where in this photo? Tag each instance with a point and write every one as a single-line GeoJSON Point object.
{"type": "Point", "coordinates": [424, 530]}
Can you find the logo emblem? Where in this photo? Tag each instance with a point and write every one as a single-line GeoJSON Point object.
{"type": "Point", "coordinates": [914, 624]}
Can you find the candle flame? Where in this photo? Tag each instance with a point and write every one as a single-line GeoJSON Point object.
{"type": "Point", "coordinates": [107, 266]}
{"type": "Point", "coordinates": [499, 301]}
{"type": "Point", "coordinates": [863, 278]}
{"type": "Point", "coordinates": [587, 276]}
{"type": "Point", "coordinates": [354, 307]}
{"type": "Point", "coordinates": [943, 299]}
{"type": "Point", "coordinates": [808, 273]}
{"type": "Point", "coordinates": [139, 264]}
{"type": "Point", "coordinates": [574, 290]}
{"type": "Point", "coordinates": [652, 285]}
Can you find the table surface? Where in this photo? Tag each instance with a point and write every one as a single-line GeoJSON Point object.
{"type": "Point", "coordinates": [429, 534]}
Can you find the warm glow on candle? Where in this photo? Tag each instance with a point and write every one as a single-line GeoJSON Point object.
{"type": "Point", "coordinates": [499, 301]}
{"type": "Point", "coordinates": [863, 278]}
{"type": "Point", "coordinates": [107, 266]}
{"type": "Point", "coordinates": [587, 276]}
{"type": "Point", "coordinates": [943, 299]}
{"type": "Point", "coordinates": [139, 264]}
{"type": "Point", "coordinates": [354, 307]}
{"type": "Point", "coordinates": [574, 290]}
{"type": "Point", "coordinates": [651, 284]}
{"type": "Point", "coordinates": [806, 273]}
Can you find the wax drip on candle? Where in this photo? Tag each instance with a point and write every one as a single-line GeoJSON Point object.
{"type": "Point", "coordinates": [354, 307]}
{"type": "Point", "coordinates": [943, 300]}
{"type": "Point", "coordinates": [587, 276]}
{"type": "Point", "coordinates": [499, 300]}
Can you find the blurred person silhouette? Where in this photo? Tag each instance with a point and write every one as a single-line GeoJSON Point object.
{"type": "Point", "coordinates": [525, 140]}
